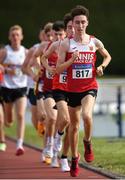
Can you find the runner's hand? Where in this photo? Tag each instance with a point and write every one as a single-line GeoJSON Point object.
{"type": "Point", "coordinates": [99, 70]}
{"type": "Point", "coordinates": [75, 55]}
{"type": "Point", "coordinates": [52, 70]}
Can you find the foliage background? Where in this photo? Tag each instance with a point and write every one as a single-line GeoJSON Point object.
{"type": "Point", "coordinates": [107, 22]}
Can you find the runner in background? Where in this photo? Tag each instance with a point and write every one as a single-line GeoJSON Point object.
{"type": "Point", "coordinates": [78, 56]}
{"type": "Point", "coordinates": [60, 96]}
{"type": "Point", "coordinates": [65, 149]}
{"type": "Point", "coordinates": [59, 34]}
{"type": "Point", "coordinates": [35, 58]}
{"type": "Point", "coordinates": [48, 36]}
{"type": "Point", "coordinates": [35, 94]}
{"type": "Point", "coordinates": [14, 85]}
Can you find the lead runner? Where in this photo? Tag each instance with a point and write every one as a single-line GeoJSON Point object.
{"type": "Point", "coordinates": [78, 56]}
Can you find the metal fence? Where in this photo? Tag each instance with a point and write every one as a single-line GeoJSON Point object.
{"type": "Point", "coordinates": [109, 111]}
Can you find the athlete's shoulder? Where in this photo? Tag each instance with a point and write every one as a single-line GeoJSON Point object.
{"type": "Point", "coordinates": [44, 45]}
{"type": "Point", "coordinates": [30, 50]}
{"type": "Point", "coordinates": [4, 49]}
{"type": "Point", "coordinates": [98, 43]}
{"type": "Point", "coordinates": [23, 49]}
{"type": "Point", "coordinates": [93, 37]}
{"type": "Point", "coordinates": [54, 44]}
{"type": "Point", "coordinates": [7, 47]}
{"type": "Point", "coordinates": [65, 43]}
{"type": "Point", "coordinates": [36, 45]}
{"type": "Point", "coordinates": [3, 54]}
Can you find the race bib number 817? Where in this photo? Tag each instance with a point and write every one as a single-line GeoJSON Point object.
{"type": "Point", "coordinates": [82, 71]}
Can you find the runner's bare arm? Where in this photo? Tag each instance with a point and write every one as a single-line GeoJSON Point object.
{"type": "Point", "coordinates": [61, 64]}
{"type": "Point", "coordinates": [46, 55]}
{"type": "Point", "coordinates": [106, 57]}
{"type": "Point", "coordinates": [50, 50]}
{"type": "Point", "coordinates": [26, 61]}
{"type": "Point", "coordinates": [44, 62]}
{"type": "Point", "coordinates": [39, 51]}
{"type": "Point", "coordinates": [2, 55]}
{"type": "Point", "coordinates": [33, 60]}
{"type": "Point", "coordinates": [5, 67]}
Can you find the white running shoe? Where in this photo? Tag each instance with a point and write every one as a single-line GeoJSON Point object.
{"type": "Point", "coordinates": [64, 165]}
{"type": "Point", "coordinates": [58, 143]}
{"type": "Point", "coordinates": [49, 151]}
{"type": "Point", "coordinates": [3, 146]}
{"type": "Point", "coordinates": [55, 163]}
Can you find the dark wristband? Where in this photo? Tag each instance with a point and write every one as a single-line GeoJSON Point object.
{"type": "Point", "coordinates": [103, 67]}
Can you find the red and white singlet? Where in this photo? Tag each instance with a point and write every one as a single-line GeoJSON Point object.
{"type": "Point", "coordinates": [81, 75]}
{"type": "Point", "coordinates": [60, 81]}
{"type": "Point", "coordinates": [48, 77]}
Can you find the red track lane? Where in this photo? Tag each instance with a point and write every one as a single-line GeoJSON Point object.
{"type": "Point", "coordinates": [28, 166]}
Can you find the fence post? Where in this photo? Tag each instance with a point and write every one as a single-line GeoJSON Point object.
{"type": "Point", "coordinates": [119, 121]}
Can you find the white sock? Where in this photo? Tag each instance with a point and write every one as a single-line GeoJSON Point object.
{"type": "Point", "coordinates": [19, 143]}
{"type": "Point", "coordinates": [55, 153]}
{"type": "Point", "coordinates": [50, 140]}
{"type": "Point", "coordinates": [58, 135]}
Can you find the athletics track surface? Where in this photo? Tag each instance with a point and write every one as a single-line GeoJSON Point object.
{"type": "Point", "coordinates": [28, 166]}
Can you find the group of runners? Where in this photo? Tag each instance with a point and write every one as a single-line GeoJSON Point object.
{"type": "Point", "coordinates": [60, 73]}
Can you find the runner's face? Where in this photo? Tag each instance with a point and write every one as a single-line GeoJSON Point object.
{"type": "Point", "coordinates": [69, 29]}
{"type": "Point", "coordinates": [59, 35]}
{"type": "Point", "coordinates": [80, 24]}
{"type": "Point", "coordinates": [15, 37]}
{"type": "Point", "coordinates": [49, 35]}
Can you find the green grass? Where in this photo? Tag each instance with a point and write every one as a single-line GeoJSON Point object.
{"type": "Point", "coordinates": [31, 135]}
{"type": "Point", "coordinates": [109, 153]}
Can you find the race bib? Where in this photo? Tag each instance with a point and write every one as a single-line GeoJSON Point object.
{"type": "Point", "coordinates": [81, 71]}
{"type": "Point", "coordinates": [63, 77]}
{"type": "Point", "coordinates": [17, 70]}
{"type": "Point", "coordinates": [49, 75]}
